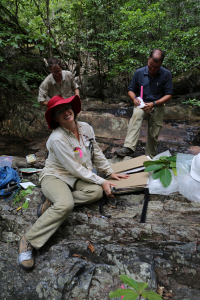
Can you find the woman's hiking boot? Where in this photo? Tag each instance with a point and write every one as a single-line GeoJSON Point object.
{"type": "Point", "coordinates": [25, 257]}
{"type": "Point", "coordinates": [42, 207]}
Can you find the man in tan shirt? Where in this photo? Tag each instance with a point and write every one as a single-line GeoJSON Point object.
{"type": "Point", "coordinates": [59, 82]}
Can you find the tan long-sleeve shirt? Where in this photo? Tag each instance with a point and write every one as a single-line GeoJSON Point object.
{"type": "Point", "coordinates": [66, 163]}
{"type": "Point", "coordinates": [49, 87]}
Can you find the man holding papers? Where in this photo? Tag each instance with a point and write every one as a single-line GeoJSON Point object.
{"type": "Point", "coordinates": [154, 86]}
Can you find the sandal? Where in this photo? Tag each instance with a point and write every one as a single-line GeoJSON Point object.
{"type": "Point", "coordinates": [25, 258]}
{"type": "Point", "coordinates": [43, 206]}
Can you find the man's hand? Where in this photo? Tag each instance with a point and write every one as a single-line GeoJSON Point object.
{"type": "Point", "coordinates": [133, 97]}
{"type": "Point", "coordinates": [148, 107]}
{"type": "Point", "coordinates": [44, 103]}
{"type": "Point", "coordinates": [76, 92]}
{"type": "Point", "coordinates": [136, 101]}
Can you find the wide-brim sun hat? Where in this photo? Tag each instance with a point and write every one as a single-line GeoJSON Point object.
{"type": "Point", "coordinates": [74, 101]}
{"type": "Point", "coordinates": [195, 168]}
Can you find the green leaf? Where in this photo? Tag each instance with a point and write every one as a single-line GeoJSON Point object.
{"type": "Point", "coordinates": [171, 158]}
{"type": "Point", "coordinates": [127, 292]}
{"type": "Point", "coordinates": [156, 162]}
{"type": "Point", "coordinates": [131, 297]}
{"type": "Point", "coordinates": [148, 163]}
{"type": "Point", "coordinates": [41, 47]}
{"type": "Point", "coordinates": [130, 281]}
{"type": "Point", "coordinates": [163, 157]}
{"type": "Point", "coordinates": [174, 171]}
{"type": "Point", "coordinates": [151, 295]}
{"type": "Point", "coordinates": [25, 205]}
{"type": "Point", "coordinates": [29, 190]}
{"type": "Point", "coordinates": [153, 168]}
{"type": "Point", "coordinates": [155, 174]}
{"type": "Point", "coordinates": [172, 164]}
{"type": "Point", "coordinates": [142, 286]}
{"type": "Point", "coordinates": [165, 177]}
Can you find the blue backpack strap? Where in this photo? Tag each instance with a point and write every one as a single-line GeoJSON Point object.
{"type": "Point", "coordinates": [15, 192]}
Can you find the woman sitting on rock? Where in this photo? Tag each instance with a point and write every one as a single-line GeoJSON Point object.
{"type": "Point", "coordinates": [67, 178]}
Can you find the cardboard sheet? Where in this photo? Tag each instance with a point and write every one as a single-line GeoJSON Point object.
{"type": "Point", "coordinates": [135, 180]}
{"type": "Point", "coordinates": [129, 164]}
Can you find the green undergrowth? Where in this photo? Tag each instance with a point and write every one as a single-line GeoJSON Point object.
{"type": "Point", "coordinates": [192, 102]}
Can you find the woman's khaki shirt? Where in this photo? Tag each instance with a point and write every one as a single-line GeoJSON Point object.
{"type": "Point", "coordinates": [65, 161]}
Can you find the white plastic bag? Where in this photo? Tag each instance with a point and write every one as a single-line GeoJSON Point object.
{"type": "Point", "coordinates": [188, 187]}
{"type": "Point", "coordinates": [155, 185]}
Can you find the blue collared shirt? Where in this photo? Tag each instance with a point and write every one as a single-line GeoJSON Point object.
{"type": "Point", "coordinates": [153, 88]}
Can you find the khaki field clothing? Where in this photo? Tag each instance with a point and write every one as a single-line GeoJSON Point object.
{"type": "Point", "coordinates": [155, 122]}
{"type": "Point", "coordinates": [67, 179]}
{"type": "Point", "coordinates": [49, 87]}
{"type": "Point", "coordinates": [63, 199]}
{"type": "Point", "coordinates": [64, 160]}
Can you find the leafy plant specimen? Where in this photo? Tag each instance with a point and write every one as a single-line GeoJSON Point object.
{"type": "Point", "coordinates": [160, 169]}
{"type": "Point", "coordinates": [130, 294]}
{"type": "Point", "coordinates": [21, 194]}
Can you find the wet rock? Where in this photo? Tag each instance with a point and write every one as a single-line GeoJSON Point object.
{"type": "Point", "coordinates": [163, 250]}
{"type": "Point", "coordinates": [105, 124]}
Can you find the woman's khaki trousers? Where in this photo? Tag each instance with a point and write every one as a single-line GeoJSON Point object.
{"type": "Point", "coordinates": [63, 199]}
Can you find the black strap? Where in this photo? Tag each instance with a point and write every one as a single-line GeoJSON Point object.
{"type": "Point", "coordinates": [145, 206]}
{"type": "Point", "coordinates": [91, 147]}
{"type": "Point", "coordinates": [104, 201]}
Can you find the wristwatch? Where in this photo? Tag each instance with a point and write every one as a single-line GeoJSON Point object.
{"type": "Point", "coordinates": [154, 103]}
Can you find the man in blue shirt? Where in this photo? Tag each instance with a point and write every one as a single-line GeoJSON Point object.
{"type": "Point", "coordinates": [157, 89]}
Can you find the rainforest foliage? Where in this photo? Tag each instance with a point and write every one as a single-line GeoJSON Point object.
{"type": "Point", "coordinates": [112, 37]}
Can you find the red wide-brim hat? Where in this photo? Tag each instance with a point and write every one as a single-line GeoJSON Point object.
{"type": "Point", "coordinates": [74, 101]}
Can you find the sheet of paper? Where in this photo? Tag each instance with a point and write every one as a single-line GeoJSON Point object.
{"type": "Point", "coordinates": [135, 180]}
{"type": "Point", "coordinates": [25, 185]}
{"type": "Point", "coordinates": [30, 170]}
{"type": "Point", "coordinates": [142, 103]}
{"type": "Point", "coordinates": [133, 170]}
{"type": "Point", "coordinates": [129, 164]}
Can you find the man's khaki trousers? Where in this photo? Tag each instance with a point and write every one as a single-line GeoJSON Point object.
{"type": "Point", "coordinates": [155, 122]}
{"type": "Point", "coordinates": [63, 199]}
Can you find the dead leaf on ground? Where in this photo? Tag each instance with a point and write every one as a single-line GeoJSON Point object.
{"type": "Point", "coordinates": [80, 256]}
{"type": "Point", "coordinates": [115, 207]}
{"type": "Point", "coordinates": [91, 247]}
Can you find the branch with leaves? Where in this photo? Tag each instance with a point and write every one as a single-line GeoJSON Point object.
{"type": "Point", "coordinates": [161, 168]}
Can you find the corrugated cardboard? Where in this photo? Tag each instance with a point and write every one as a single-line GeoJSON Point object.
{"type": "Point", "coordinates": [135, 180]}
{"type": "Point", "coordinates": [129, 164]}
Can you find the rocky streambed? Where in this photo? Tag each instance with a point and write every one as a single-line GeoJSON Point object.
{"type": "Point", "coordinates": [163, 252]}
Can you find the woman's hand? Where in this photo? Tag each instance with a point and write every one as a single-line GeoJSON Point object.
{"type": "Point", "coordinates": [107, 184]}
{"type": "Point", "coordinates": [106, 187]}
{"type": "Point", "coordinates": [118, 176]}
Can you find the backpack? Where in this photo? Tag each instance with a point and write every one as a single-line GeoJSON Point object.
{"type": "Point", "coordinates": [9, 182]}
